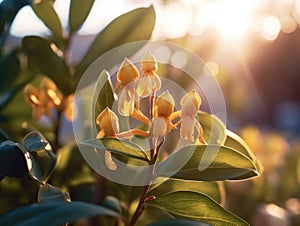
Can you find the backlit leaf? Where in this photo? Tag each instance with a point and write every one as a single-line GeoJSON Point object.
{"type": "Point", "coordinates": [237, 143]}
{"type": "Point", "coordinates": [171, 185]}
{"type": "Point", "coordinates": [45, 11]}
{"type": "Point", "coordinates": [117, 146]}
{"type": "Point", "coordinates": [207, 163]}
{"type": "Point", "coordinates": [135, 25]}
{"type": "Point", "coordinates": [79, 11]}
{"type": "Point", "coordinates": [196, 206]}
{"type": "Point", "coordinates": [177, 222]}
{"type": "Point", "coordinates": [106, 94]}
{"type": "Point", "coordinates": [213, 128]}
{"type": "Point", "coordinates": [48, 61]}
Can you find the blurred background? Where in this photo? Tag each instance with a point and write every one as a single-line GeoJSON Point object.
{"type": "Point", "coordinates": [252, 47]}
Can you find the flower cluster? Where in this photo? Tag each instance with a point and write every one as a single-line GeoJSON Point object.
{"type": "Point", "coordinates": [46, 97]}
{"type": "Point", "coordinates": [132, 87]}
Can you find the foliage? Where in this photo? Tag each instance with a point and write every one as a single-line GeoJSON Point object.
{"type": "Point", "coordinates": [191, 195]}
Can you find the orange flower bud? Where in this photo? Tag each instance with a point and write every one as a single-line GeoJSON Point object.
{"type": "Point", "coordinates": [127, 73]}
{"type": "Point", "coordinates": [190, 103]}
{"type": "Point", "coordinates": [108, 122]}
{"type": "Point", "coordinates": [164, 105]}
{"type": "Point", "coordinates": [148, 62]}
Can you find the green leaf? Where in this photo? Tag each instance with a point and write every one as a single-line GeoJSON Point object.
{"type": "Point", "coordinates": [34, 141]}
{"type": "Point", "coordinates": [196, 206]}
{"type": "Point", "coordinates": [213, 128]}
{"type": "Point", "coordinates": [177, 222]}
{"type": "Point", "coordinates": [207, 163]}
{"type": "Point", "coordinates": [49, 194]}
{"type": "Point", "coordinates": [237, 143]}
{"type": "Point", "coordinates": [106, 95]}
{"type": "Point", "coordinates": [40, 156]}
{"type": "Point", "coordinates": [113, 204]}
{"type": "Point", "coordinates": [12, 161]}
{"type": "Point", "coordinates": [57, 213]}
{"type": "Point", "coordinates": [45, 11]}
{"type": "Point", "coordinates": [171, 185]}
{"type": "Point", "coordinates": [49, 62]}
{"type": "Point", "coordinates": [9, 69]}
{"type": "Point", "coordinates": [135, 25]}
{"type": "Point", "coordinates": [78, 13]}
{"type": "Point", "coordinates": [117, 146]}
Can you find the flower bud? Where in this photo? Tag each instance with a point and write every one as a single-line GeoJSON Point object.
{"type": "Point", "coordinates": [164, 105]}
{"type": "Point", "coordinates": [148, 62]}
{"type": "Point", "coordinates": [127, 72]}
{"type": "Point", "coordinates": [190, 103]}
{"type": "Point", "coordinates": [108, 122]}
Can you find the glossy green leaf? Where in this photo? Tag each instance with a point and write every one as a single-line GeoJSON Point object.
{"type": "Point", "coordinates": [9, 69]}
{"type": "Point", "coordinates": [12, 161]}
{"type": "Point", "coordinates": [135, 25]}
{"type": "Point", "coordinates": [178, 222]}
{"type": "Point", "coordinates": [113, 204]}
{"type": "Point", "coordinates": [213, 128]}
{"type": "Point", "coordinates": [117, 146]}
{"type": "Point", "coordinates": [39, 156]}
{"type": "Point", "coordinates": [106, 95]}
{"type": "Point", "coordinates": [18, 161]}
{"type": "Point", "coordinates": [45, 11]}
{"type": "Point", "coordinates": [78, 13]}
{"type": "Point", "coordinates": [207, 163]}
{"type": "Point", "coordinates": [171, 185]}
{"type": "Point", "coordinates": [48, 61]}
{"type": "Point", "coordinates": [49, 194]}
{"type": "Point", "coordinates": [56, 213]}
{"type": "Point", "coordinates": [196, 206]}
{"type": "Point", "coordinates": [34, 141]}
{"type": "Point", "coordinates": [237, 143]}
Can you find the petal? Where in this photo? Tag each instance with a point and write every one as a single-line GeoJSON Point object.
{"type": "Point", "coordinates": [160, 127]}
{"type": "Point", "coordinates": [190, 103]}
{"type": "Point", "coordinates": [144, 87]}
{"type": "Point", "coordinates": [109, 161]}
{"type": "Point", "coordinates": [187, 128]}
{"type": "Point", "coordinates": [126, 102]}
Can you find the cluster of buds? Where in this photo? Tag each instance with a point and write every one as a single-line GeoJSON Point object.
{"type": "Point", "coordinates": [47, 97]}
{"type": "Point", "coordinates": [132, 88]}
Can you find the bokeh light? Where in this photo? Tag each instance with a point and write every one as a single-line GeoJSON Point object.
{"type": "Point", "coordinates": [270, 28]}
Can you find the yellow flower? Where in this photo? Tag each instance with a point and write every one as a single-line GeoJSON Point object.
{"type": "Point", "coordinates": [150, 81]}
{"type": "Point", "coordinates": [190, 104]}
{"type": "Point", "coordinates": [108, 122]}
{"type": "Point", "coordinates": [164, 107]}
{"type": "Point", "coordinates": [44, 98]}
{"type": "Point", "coordinates": [128, 104]}
{"type": "Point", "coordinates": [127, 73]}
{"type": "Point", "coordinates": [109, 126]}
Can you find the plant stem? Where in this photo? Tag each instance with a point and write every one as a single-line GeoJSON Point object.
{"type": "Point", "coordinates": [140, 208]}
